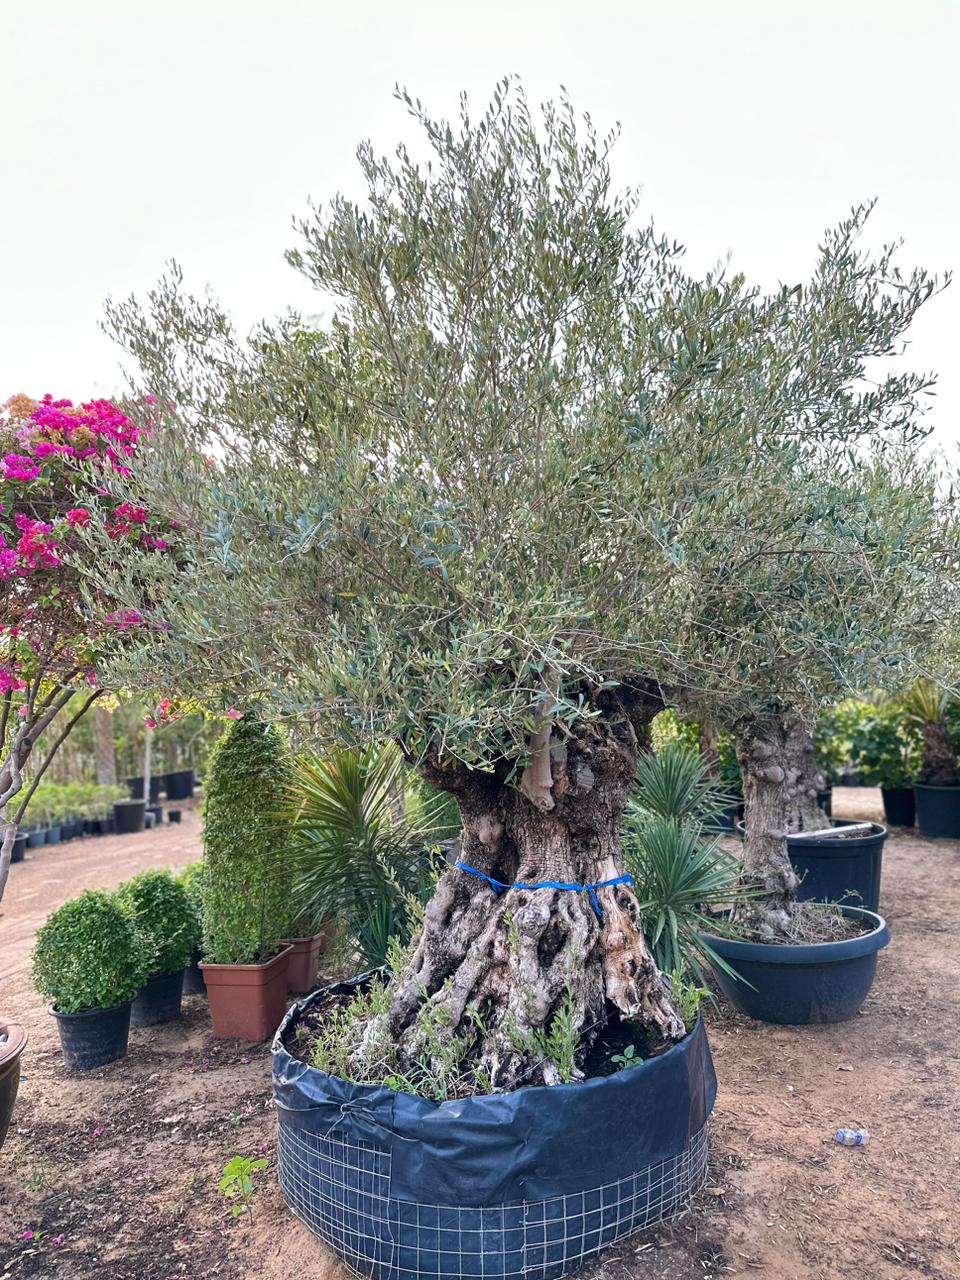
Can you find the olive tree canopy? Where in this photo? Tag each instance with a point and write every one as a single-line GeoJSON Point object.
{"type": "Point", "coordinates": [487, 509]}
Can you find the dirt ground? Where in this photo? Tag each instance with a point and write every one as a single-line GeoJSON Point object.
{"type": "Point", "coordinates": [115, 1173]}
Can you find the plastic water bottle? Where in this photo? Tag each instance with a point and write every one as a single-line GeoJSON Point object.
{"type": "Point", "coordinates": [852, 1137]}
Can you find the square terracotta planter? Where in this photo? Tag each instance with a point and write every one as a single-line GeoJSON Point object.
{"type": "Point", "coordinates": [247, 1001]}
{"type": "Point", "coordinates": [304, 965]}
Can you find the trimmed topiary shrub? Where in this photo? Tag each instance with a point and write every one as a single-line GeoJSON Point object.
{"type": "Point", "coordinates": [91, 955]}
{"type": "Point", "coordinates": [164, 913]}
{"type": "Point", "coordinates": [246, 880]}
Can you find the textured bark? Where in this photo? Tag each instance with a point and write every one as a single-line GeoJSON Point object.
{"type": "Point", "coordinates": [105, 756]}
{"type": "Point", "coordinates": [939, 765]}
{"type": "Point", "coordinates": [804, 781]}
{"type": "Point", "coordinates": [516, 956]}
{"type": "Point", "coordinates": [709, 751]}
{"type": "Point", "coordinates": [766, 751]}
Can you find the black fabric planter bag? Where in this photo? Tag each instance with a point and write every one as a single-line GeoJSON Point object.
{"type": "Point", "coordinates": [509, 1185]}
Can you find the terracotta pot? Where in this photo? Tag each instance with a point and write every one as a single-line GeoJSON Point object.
{"type": "Point", "coordinates": [304, 965]}
{"type": "Point", "coordinates": [13, 1041]}
{"type": "Point", "coordinates": [247, 1001]}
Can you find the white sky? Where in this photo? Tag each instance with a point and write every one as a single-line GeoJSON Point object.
{"type": "Point", "coordinates": [132, 132]}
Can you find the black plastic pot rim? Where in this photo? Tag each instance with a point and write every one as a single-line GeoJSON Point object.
{"type": "Point", "coordinates": [834, 844]}
{"type": "Point", "coordinates": [808, 952]}
{"type": "Point", "coordinates": [92, 1013]}
{"type": "Point", "coordinates": [929, 786]}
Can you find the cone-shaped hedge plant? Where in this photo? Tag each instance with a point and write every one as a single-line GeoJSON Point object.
{"type": "Point", "coordinates": [246, 881]}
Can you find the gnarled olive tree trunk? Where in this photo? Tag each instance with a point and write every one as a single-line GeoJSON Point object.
{"type": "Point", "coordinates": [516, 956]}
{"type": "Point", "coordinates": [939, 762]}
{"type": "Point", "coordinates": [781, 780]}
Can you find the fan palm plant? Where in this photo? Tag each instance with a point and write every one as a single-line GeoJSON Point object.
{"type": "Point", "coordinates": [676, 783]}
{"type": "Point", "coordinates": [684, 881]}
{"type": "Point", "coordinates": [360, 855]}
{"type": "Point", "coordinates": [925, 704]}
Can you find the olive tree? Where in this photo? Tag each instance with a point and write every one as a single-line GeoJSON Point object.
{"type": "Point", "coordinates": [457, 518]}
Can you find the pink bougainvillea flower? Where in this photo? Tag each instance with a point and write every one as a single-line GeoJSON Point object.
{"type": "Point", "coordinates": [149, 722]}
{"type": "Point", "coordinates": [79, 517]}
{"type": "Point", "coordinates": [99, 1131]}
{"type": "Point", "coordinates": [233, 713]}
{"type": "Point", "coordinates": [27, 1235]}
{"type": "Point", "coordinates": [58, 1240]}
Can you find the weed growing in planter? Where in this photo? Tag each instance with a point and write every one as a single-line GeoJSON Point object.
{"type": "Point", "coordinates": [629, 1058]}
{"type": "Point", "coordinates": [91, 955]}
{"type": "Point", "coordinates": [687, 996]}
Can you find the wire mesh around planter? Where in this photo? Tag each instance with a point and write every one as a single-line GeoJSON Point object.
{"type": "Point", "coordinates": [341, 1190]}
{"type": "Point", "coordinates": [522, 1186]}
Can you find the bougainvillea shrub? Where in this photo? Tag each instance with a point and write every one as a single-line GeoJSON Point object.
{"type": "Point", "coordinates": [58, 461]}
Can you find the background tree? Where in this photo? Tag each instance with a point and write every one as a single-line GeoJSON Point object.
{"type": "Point", "coordinates": [460, 519]}
{"type": "Point", "coordinates": [54, 459]}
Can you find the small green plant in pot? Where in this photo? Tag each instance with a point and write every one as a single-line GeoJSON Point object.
{"type": "Point", "coordinates": [164, 913]}
{"type": "Point", "coordinates": [926, 706]}
{"type": "Point", "coordinates": [885, 749]}
{"type": "Point", "coordinates": [246, 881]}
{"type": "Point", "coordinates": [89, 961]}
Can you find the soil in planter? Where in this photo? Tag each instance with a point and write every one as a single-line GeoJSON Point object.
{"type": "Point", "coordinates": [811, 922]}
{"type": "Point", "coordinates": [616, 1038]}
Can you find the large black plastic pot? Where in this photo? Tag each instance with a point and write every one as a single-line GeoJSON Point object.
{"type": "Point", "coordinates": [135, 787]}
{"type": "Point", "coordinates": [180, 784]}
{"type": "Point", "coordinates": [798, 985]}
{"type": "Point", "coordinates": [938, 811]}
{"type": "Point", "coordinates": [106, 826]}
{"type": "Point", "coordinates": [19, 844]}
{"type": "Point", "coordinates": [899, 806]}
{"type": "Point", "coordinates": [504, 1185]}
{"type": "Point", "coordinates": [193, 983]}
{"type": "Point", "coordinates": [842, 869]}
{"type": "Point", "coordinates": [129, 816]}
{"type": "Point", "coordinates": [52, 835]}
{"type": "Point", "coordinates": [158, 1000]}
{"type": "Point", "coordinates": [94, 1038]}
{"type": "Point", "coordinates": [36, 838]}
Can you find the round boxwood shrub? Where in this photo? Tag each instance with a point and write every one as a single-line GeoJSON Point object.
{"type": "Point", "coordinates": [246, 878]}
{"type": "Point", "coordinates": [191, 877]}
{"type": "Point", "coordinates": [91, 955]}
{"type": "Point", "coordinates": [164, 913]}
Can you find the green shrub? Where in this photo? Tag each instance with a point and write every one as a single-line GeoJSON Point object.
{"type": "Point", "coordinates": [886, 747]}
{"type": "Point", "coordinates": [90, 954]}
{"type": "Point", "coordinates": [165, 915]}
{"type": "Point", "coordinates": [191, 878]}
{"type": "Point", "coordinates": [246, 880]}
{"type": "Point", "coordinates": [669, 726]}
